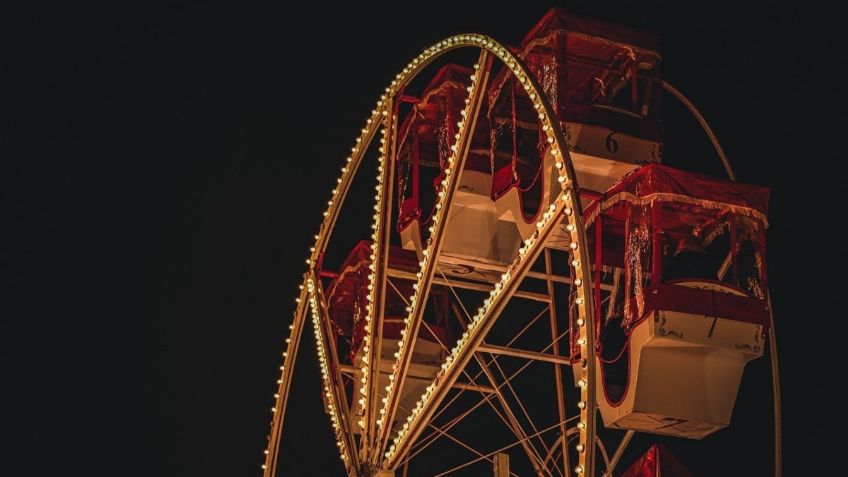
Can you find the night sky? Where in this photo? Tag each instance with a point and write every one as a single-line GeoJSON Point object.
{"type": "Point", "coordinates": [163, 169]}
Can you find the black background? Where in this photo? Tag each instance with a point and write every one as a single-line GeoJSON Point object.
{"type": "Point", "coordinates": [164, 169]}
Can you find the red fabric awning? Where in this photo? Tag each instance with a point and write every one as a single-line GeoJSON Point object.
{"type": "Point", "coordinates": [698, 194]}
{"type": "Point", "coordinates": [582, 64]}
{"type": "Point", "coordinates": [660, 179]}
{"type": "Point", "coordinates": [558, 19]}
{"type": "Point", "coordinates": [657, 462]}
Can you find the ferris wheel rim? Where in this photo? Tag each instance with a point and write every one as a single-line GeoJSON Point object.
{"type": "Point", "coordinates": [382, 115]}
{"type": "Point", "coordinates": [573, 210]}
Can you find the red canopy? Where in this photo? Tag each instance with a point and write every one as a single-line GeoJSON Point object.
{"type": "Point", "coordinates": [663, 205]}
{"type": "Point", "coordinates": [702, 195]}
{"type": "Point", "coordinates": [426, 138]}
{"type": "Point", "coordinates": [582, 65]}
{"type": "Point", "coordinates": [657, 462]}
{"type": "Point", "coordinates": [558, 19]}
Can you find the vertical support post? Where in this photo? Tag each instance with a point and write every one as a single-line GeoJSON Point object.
{"type": "Point", "coordinates": [627, 272]}
{"type": "Point", "coordinates": [597, 277]}
{"type": "Point", "coordinates": [656, 246]}
{"type": "Point", "coordinates": [501, 464]}
{"type": "Point", "coordinates": [734, 252]}
{"type": "Point", "coordinates": [557, 373]}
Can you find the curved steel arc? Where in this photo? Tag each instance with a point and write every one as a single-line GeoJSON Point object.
{"type": "Point", "coordinates": [284, 384]}
{"type": "Point", "coordinates": [772, 334]}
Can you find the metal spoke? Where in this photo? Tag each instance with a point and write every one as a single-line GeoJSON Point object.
{"type": "Point", "coordinates": [456, 420]}
{"type": "Point", "coordinates": [494, 359]}
{"type": "Point", "coordinates": [618, 453]}
{"type": "Point", "coordinates": [462, 466]}
{"type": "Point", "coordinates": [523, 410]}
{"type": "Point", "coordinates": [513, 423]}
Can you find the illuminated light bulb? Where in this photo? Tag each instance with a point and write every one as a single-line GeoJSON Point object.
{"type": "Point", "coordinates": [573, 245]}
{"type": "Point", "coordinates": [264, 466]}
{"type": "Point", "coordinates": [578, 282]}
{"type": "Point", "coordinates": [554, 151]}
{"type": "Point", "coordinates": [308, 261]}
{"type": "Point", "coordinates": [581, 425]}
{"type": "Point", "coordinates": [561, 179]}
{"type": "Point", "coordinates": [575, 263]}
{"type": "Point", "coordinates": [581, 341]}
{"type": "Point", "coordinates": [568, 211]}
{"type": "Point", "coordinates": [276, 396]}
{"type": "Point", "coordinates": [578, 469]}
{"type": "Point", "coordinates": [279, 381]}
{"type": "Point", "coordinates": [273, 409]}
{"type": "Point", "coordinates": [580, 447]}
{"type": "Point", "coordinates": [569, 227]}
{"type": "Point", "coordinates": [581, 404]}
{"type": "Point", "coordinates": [579, 301]}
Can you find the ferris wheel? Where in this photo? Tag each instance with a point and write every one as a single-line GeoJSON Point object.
{"type": "Point", "coordinates": [531, 264]}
